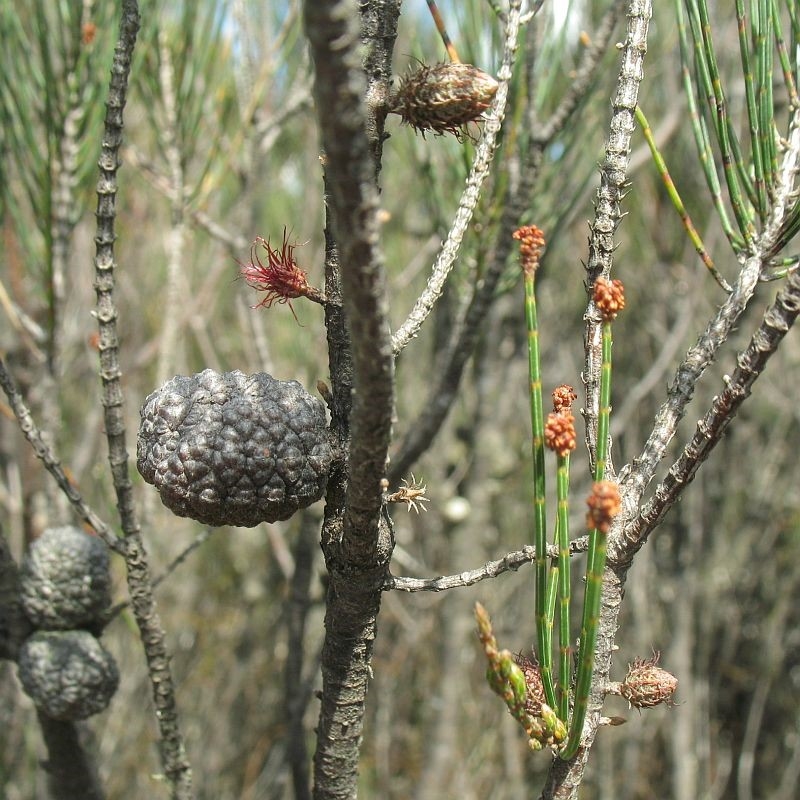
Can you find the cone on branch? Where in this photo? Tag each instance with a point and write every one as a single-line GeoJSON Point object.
{"type": "Point", "coordinates": [646, 685]}
{"type": "Point", "coordinates": [443, 98]}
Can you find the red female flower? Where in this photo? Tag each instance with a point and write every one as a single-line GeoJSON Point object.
{"type": "Point", "coordinates": [280, 277]}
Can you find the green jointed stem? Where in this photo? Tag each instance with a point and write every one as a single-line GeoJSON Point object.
{"type": "Point", "coordinates": [733, 166]}
{"type": "Point", "coordinates": [591, 613]}
{"type": "Point", "coordinates": [605, 406]}
{"type": "Point", "coordinates": [788, 229]}
{"type": "Point", "coordinates": [564, 589]}
{"type": "Point", "coordinates": [539, 512]}
{"type": "Point", "coordinates": [702, 139]}
{"type": "Point", "coordinates": [672, 191]}
{"type": "Point", "coordinates": [552, 593]}
{"type": "Point", "coordinates": [753, 116]}
{"type": "Point", "coordinates": [767, 143]}
{"type": "Point", "coordinates": [783, 55]}
{"type": "Point", "coordinates": [596, 562]}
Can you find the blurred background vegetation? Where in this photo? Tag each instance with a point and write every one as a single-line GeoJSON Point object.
{"type": "Point", "coordinates": [220, 147]}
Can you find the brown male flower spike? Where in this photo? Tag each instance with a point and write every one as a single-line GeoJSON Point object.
{"type": "Point", "coordinates": [531, 243]}
{"type": "Point", "coordinates": [280, 277]}
{"type": "Point", "coordinates": [609, 297]}
{"type": "Point", "coordinates": [559, 430]}
{"type": "Point", "coordinates": [559, 433]}
{"type": "Point", "coordinates": [604, 504]}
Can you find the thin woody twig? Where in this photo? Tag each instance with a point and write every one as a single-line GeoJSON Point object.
{"type": "Point", "coordinates": [172, 749]}
{"type": "Point", "coordinates": [510, 562]}
{"type": "Point", "coordinates": [466, 329]}
{"type": "Point", "coordinates": [51, 462]}
{"type": "Point", "coordinates": [470, 196]}
{"type": "Point", "coordinates": [233, 241]}
{"type": "Point", "coordinates": [179, 559]}
{"type": "Point", "coordinates": [585, 75]}
{"type": "Point", "coordinates": [462, 341]}
{"type": "Point", "coordinates": [351, 48]}
{"type": "Point", "coordinates": [778, 319]}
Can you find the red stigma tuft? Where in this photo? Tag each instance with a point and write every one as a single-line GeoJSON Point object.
{"type": "Point", "coordinates": [280, 277]}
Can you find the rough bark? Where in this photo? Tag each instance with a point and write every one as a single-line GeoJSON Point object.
{"type": "Point", "coordinates": [356, 539]}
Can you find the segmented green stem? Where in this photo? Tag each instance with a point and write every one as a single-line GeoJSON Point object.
{"type": "Point", "coordinates": [595, 564]}
{"type": "Point", "coordinates": [702, 138]}
{"type": "Point", "coordinates": [764, 43]}
{"type": "Point", "coordinates": [753, 116]}
{"type": "Point", "coordinates": [564, 588]}
{"type": "Point", "coordinates": [672, 191]}
{"type": "Point", "coordinates": [783, 55]}
{"type": "Point", "coordinates": [539, 511]}
{"type": "Point", "coordinates": [736, 175]}
{"type": "Point", "coordinates": [550, 606]}
{"type": "Point", "coordinates": [605, 406]}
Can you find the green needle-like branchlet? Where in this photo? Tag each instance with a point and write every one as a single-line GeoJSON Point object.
{"type": "Point", "coordinates": [753, 117]}
{"type": "Point", "coordinates": [765, 42]}
{"type": "Point", "coordinates": [672, 191]}
{"type": "Point", "coordinates": [604, 504]}
{"type": "Point", "coordinates": [531, 244]}
{"type": "Point", "coordinates": [740, 188]}
{"type": "Point", "coordinates": [605, 406]}
{"type": "Point", "coordinates": [564, 589]}
{"type": "Point", "coordinates": [588, 642]}
{"type": "Point", "coordinates": [440, 26]}
{"type": "Point", "coordinates": [783, 56]}
{"type": "Point", "coordinates": [550, 607]}
{"type": "Point", "coordinates": [539, 509]}
{"type": "Point", "coordinates": [702, 138]}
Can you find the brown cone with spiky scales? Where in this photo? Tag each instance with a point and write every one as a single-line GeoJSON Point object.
{"type": "Point", "coordinates": [443, 98]}
{"type": "Point", "coordinates": [647, 685]}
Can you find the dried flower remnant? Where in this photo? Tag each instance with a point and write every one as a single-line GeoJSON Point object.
{"type": "Point", "coordinates": [443, 98]}
{"type": "Point", "coordinates": [646, 684]}
{"type": "Point", "coordinates": [604, 504]}
{"type": "Point", "coordinates": [609, 297]}
{"type": "Point", "coordinates": [531, 243]}
{"type": "Point", "coordinates": [280, 277]}
{"type": "Point", "coordinates": [412, 494]}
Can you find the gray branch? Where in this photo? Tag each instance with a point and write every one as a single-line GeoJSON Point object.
{"type": "Point", "coordinates": [173, 754]}
{"type": "Point", "coordinates": [510, 562]}
{"type": "Point", "coordinates": [51, 462]}
{"type": "Point", "coordinates": [777, 321]}
{"type": "Point", "coordinates": [470, 196]}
